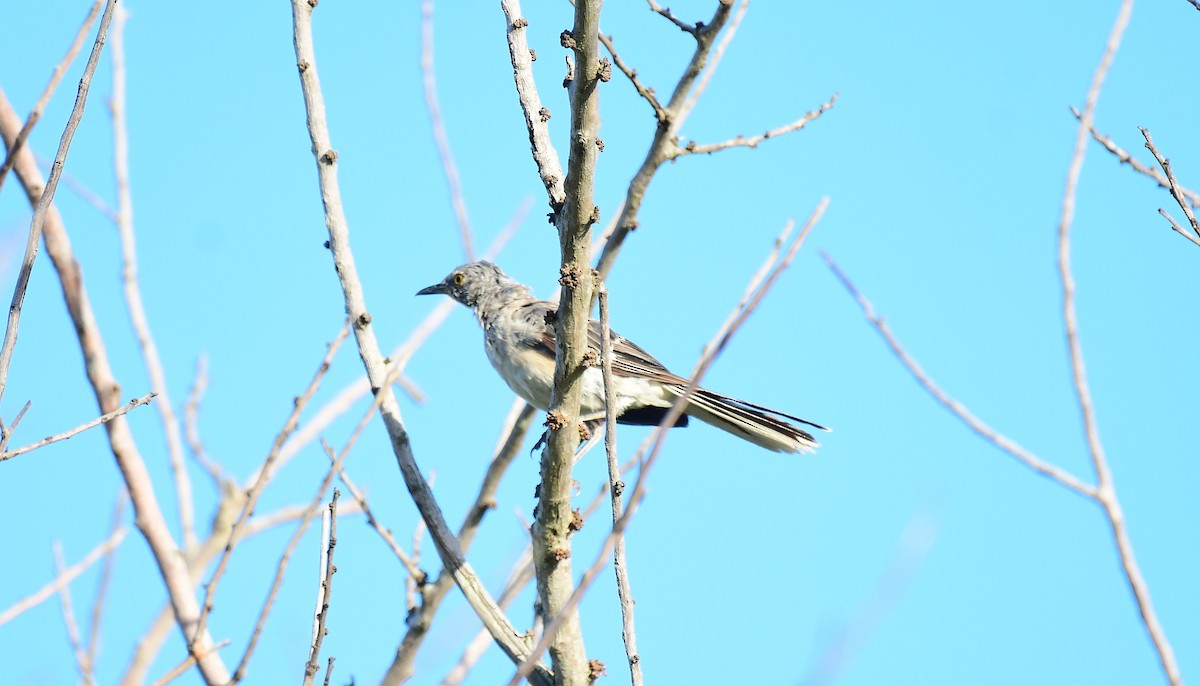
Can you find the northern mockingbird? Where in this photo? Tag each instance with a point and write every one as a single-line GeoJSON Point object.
{"type": "Point", "coordinates": [518, 334]}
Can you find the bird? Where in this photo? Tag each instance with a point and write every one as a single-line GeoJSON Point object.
{"type": "Point", "coordinates": [519, 338]}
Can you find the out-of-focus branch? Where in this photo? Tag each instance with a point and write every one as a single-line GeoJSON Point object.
{"type": "Point", "coordinates": [429, 80]}
{"type": "Point", "coordinates": [355, 303]}
{"type": "Point", "coordinates": [329, 538]}
{"type": "Point", "coordinates": [93, 647]}
{"type": "Point", "coordinates": [63, 578]}
{"type": "Point", "coordinates": [712, 350]}
{"type": "Point", "coordinates": [616, 486]}
{"type": "Point", "coordinates": [956, 408]}
{"type": "Point", "coordinates": [752, 142]}
{"type": "Point", "coordinates": [67, 606]}
{"type": "Point", "coordinates": [191, 424]}
{"type": "Point", "coordinates": [133, 291]}
{"type": "Point", "coordinates": [55, 77]}
{"type": "Point", "coordinates": [104, 418]}
{"type": "Point", "coordinates": [6, 432]}
{"type": "Point", "coordinates": [148, 516]}
{"type": "Point", "coordinates": [45, 196]}
{"type": "Point", "coordinates": [1176, 192]}
{"type": "Point", "coordinates": [186, 664]}
{"type": "Point", "coordinates": [1106, 493]}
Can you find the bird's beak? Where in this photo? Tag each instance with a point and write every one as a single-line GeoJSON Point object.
{"type": "Point", "coordinates": [433, 290]}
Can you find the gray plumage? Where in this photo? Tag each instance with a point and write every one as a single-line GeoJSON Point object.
{"type": "Point", "coordinates": [519, 336]}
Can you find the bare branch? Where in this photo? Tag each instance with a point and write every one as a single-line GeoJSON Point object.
{"type": "Point", "coordinates": [102, 419]}
{"type": "Point", "coordinates": [46, 196]}
{"type": "Point", "coordinates": [987, 433]}
{"type": "Point", "coordinates": [377, 372]}
{"type": "Point", "coordinates": [133, 291]}
{"type": "Point", "coordinates": [1124, 157]}
{"type": "Point", "coordinates": [93, 647]}
{"type": "Point", "coordinates": [1176, 192]}
{"type": "Point", "coordinates": [536, 115]}
{"type": "Point", "coordinates": [55, 77]}
{"type": "Point", "coordinates": [752, 142]}
{"type": "Point", "coordinates": [329, 537]}
{"type": "Point", "coordinates": [713, 349]}
{"type": "Point", "coordinates": [718, 53]}
{"type": "Point", "coordinates": [64, 577]}
{"type": "Point", "coordinates": [616, 486]}
{"type": "Point", "coordinates": [429, 79]}
{"type": "Point", "coordinates": [432, 594]}
{"type": "Point", "coordinates": [1105, 490]}
{"type": "Point", "coordinates": [264, 475]}
{"type": "Point", "coordinates": [82, 663]}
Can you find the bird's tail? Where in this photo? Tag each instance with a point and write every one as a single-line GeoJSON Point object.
{"type": "Point", "coordinates": [760, 425]}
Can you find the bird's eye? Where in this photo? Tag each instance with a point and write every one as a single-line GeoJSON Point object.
{"type": "Point", "coordinates": [459, 279]}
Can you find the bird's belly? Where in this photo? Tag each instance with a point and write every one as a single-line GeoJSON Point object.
{"type": "Point", "coordinates": [527, 372]}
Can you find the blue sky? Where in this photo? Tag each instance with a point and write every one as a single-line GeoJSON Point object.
{"type": "Point", "coordinates": [943, 560]}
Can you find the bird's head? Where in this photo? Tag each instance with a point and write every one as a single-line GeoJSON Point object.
{"type": "Point", "coordinates": [472, 283]}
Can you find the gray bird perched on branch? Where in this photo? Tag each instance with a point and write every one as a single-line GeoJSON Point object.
{"type": "Point", "coordinates": [518, 334]}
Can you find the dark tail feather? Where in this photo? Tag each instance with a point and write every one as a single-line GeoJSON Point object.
{"type": "Point", "coordinates": [759, 425]}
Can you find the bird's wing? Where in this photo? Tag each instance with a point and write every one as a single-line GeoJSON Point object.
{"type": "Point", "coordinates": [628, 358]}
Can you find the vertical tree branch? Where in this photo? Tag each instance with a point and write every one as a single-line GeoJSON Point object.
{"type": "Point", "coordinates": [554, 521]}
{"type": "Point", "coordinates": [616, 486]}
{"type": "Point", "coordinates": [133, 291]}
{"type": "Point", "coordinates": [1106, 492]}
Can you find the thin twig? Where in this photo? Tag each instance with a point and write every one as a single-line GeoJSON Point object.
{"type": "Point", "coordinates": [82, 663]}
{"type": "Point", "coordinates": [1176, 192]}
{"type": "Point", "coordinates": [187, 663]}
{"type": "Point", "coordinates": [329, 671]}
{"type": "Point", "coordinates": [956, 408]}
{"type": "Point", "coordinates": [264, 475]}
{"type": "Point", "coordinates": [55, 77]}
{"type": "Point", "coordinates": [102, 419]}
{"type": "Point", "coordinates": [429, 81]}
{"type": "Point", "coordinates": [8, 431]}
{"type": "Point", "coordinates": [1105, 490]}
{"type": "Point", "coordinates": [642, 90]}
{"type": "Point", "coordinates": [718, 343]}
{"type": "Point", "coordinates": [47, 196]}
{"type": "Point", "coordinates": [133, 291]}
{"type": "Point", "coordinates": [1124, 157]}
{"type": "Point", "coordinates": [666, 12]}
{"type": "Point", "coordinates": [386, 534]}
{"type": "Point", "coordinates": [191, 423]}
{"type": "Point", "coordinates": [752, 142]}
{"type": "Point", "coordinates": [102, 586]}
{"type": "Point", "coordinates": [65, 577]}
{"type": "Point", "coordinates": [411, 583]}
{"type": "Point", "coordinates": [325, 158]}
{"type": "Point", "coordinates": [328, 569]}
{"type": "Point", "coordinates": [616, 486]}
